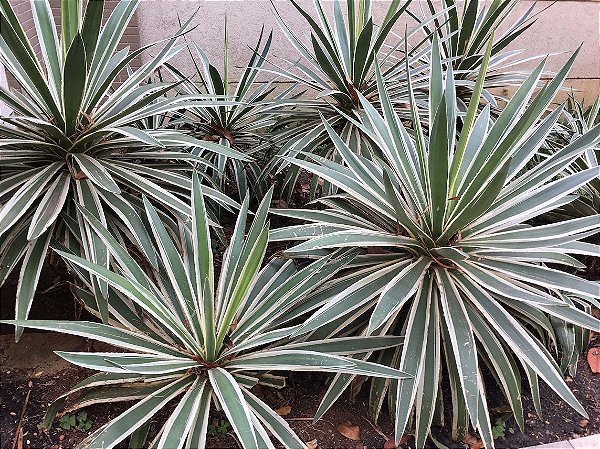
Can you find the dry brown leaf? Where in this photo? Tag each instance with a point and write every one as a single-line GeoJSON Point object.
{"type": "Point", "coordinates": [593, 358]}
{"type": "Point", "coordinates": [473, 442]}
{"type": "Point", "coordinates": [502, 409]}
{"type": "Point", "coordinates": [312, 444]}
{"type": "Point", "coordinates": [19, 439]}
{"type": "Point", "coordinates": [284, 410]}
{"type": "Point", "coordinates": [404, 438]}
{"type": "Point", "coordinates": [356, 385]}
{"type": "Point", "coordinates": [348, 430]}
{"type": "Point", "coordinates": [390, 444]}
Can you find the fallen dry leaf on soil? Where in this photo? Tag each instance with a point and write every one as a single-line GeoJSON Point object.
{"type": "Point", "coordinates": [593, 358]}
{"type": "Point", "coordinates": [312, 444]}
{"type": "Point", "coordinates": [348, 430]}
{"type": "Point", "coordinates": [390, 444]}
{"type": "Point", "coordinates": [473, 442]}
{"type": "Point", "coordinates": [284, 410]}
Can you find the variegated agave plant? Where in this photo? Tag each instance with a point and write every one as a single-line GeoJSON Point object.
{"type": "Point", "coordinates": [74, 136]}
{"type": "Point", "coordinates": [185, 336]}
{"type": "Point", "coordinates": [454, 263]}
{"type": "Point", "coordinates": [337, 66]}
{"type": "Point", "coordinates": [244, 125]}
{"type": "Point", "coordinates": [578, 120]}
{"type": "Point", "coordinates": [464, 33]}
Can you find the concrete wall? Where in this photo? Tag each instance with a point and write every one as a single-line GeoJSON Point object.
{"type": "Point", "coordinates": [4, 110]}
{"type": "Point", "coordinates": [560, 29]}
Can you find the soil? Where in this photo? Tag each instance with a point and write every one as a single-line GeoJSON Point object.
{"type": "Point", "coordinates": [302, 394]}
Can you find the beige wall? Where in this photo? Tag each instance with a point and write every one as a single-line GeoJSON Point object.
{"type": "Point", "coordinates": [560, 29]}
{"type": "Point", "coordinates": [4, 110]}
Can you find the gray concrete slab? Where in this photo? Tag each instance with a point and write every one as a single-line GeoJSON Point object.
{"type": "Point", "coordinates": [590, 442]}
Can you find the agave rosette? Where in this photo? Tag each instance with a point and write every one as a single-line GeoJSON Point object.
{"type": "Point", "coordinates": [464, 32]}
{"type": "Point", "coordinates": [577, 121]}
{"type": "Point", "coordinates": [339, 66]}
{"type": "Point", "coordinates": [74, 135]}
{"type": "Point", "coordinates": [453, 262]}
{"type": "Point", "coordinates": [243, 125]}
{"type": "Point", "coordinates": [184, 336]}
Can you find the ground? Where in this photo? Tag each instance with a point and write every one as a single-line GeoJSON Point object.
{"type": "Point", "coordinates": [30, 369]}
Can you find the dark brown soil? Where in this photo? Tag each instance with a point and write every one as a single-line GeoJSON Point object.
{"type": "Point", "coordinates": [559, 422]}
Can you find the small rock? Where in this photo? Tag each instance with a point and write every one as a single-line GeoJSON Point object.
{"type": "Point", "coordinates": [583, 423]}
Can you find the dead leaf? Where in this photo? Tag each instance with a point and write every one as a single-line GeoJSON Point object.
{"type": "Point", "coordinates": [312, 444]}
{"type": "Point", "coordinates": [356, 385]}
{"type": "Point", "coordinates": [404, 438]}
{"type": "Point", "coordinates": [20, 439]}
{"type": "Point", "coordinates": [502, 409]}
{"type": "Point", "coordinates": [284, 410]}
{"type": "Point", "coordinates": [473, 442]}
{"type": "Point", "coordinates": [258, 391]}
{"type": "Point", "coordinates": [390, 444]}
{"type": "Point", "coordinates": [593, 358]}
{"type": "Point", "coordinates": [348, 430]}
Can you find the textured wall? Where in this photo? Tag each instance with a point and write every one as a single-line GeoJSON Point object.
{"type": "Point", "coordinates": [560, 29]}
